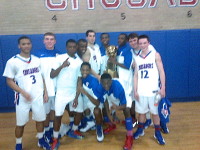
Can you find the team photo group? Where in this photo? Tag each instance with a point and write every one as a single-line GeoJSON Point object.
{"type": "Point", "coordinates": [91, 82]}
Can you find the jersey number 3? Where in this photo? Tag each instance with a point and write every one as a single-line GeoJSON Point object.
{"type": "Point", "coordinates": [33, 79]}
{"type": "Point", "coordinates": [144, 74]}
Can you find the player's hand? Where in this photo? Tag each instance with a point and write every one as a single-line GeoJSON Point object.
{"type": "Point", "coordinates": [75, 103]}
{"type": "Point", "coordinates": [114, 106]}
{"type": "Point", "coordinates": [66, 63]}
{"type": "Point", "coordinates": [162, 93]}
{"type": "Point", "coordinates": [112, 60]}
{"type": "Point", "coordinates": [136, 95]}
{"type": "Point", "coordinates": [45, 97]}
{"type": "Point", "coordinates": [111, 118]}
{"type": "Point", "coordinates": [27, 96]}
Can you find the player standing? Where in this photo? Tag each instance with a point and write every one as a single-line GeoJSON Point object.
{"type": "Point", "coordinates": [67, 71]}
{"type": "Point", "coordinates": [148, 70]}
{"type": "Point", "coordinates": [47, 57]}
{"type": "Point", "coordinates": [23, 75]}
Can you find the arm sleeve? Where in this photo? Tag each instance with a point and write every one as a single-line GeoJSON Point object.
{"type": "Point", "coordinates": [9, 71]}
{"type": "Point", "coordinates": [128, 60]}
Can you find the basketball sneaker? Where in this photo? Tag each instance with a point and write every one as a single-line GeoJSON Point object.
{"type": "Point", "coordinates": [109, 128]}
{"type": "Point", "coordinates": [48, 137]}
{"type": "Point", "coordinates": [55, 144]}
{"type": "Point", "coordinates": [44, 144]}
{"type": "Point", "coordinates": [100, 135]}
{"type": "Point", "coordinates": [159, 138]}
{"type": "Point", "coordinates": [147, 123]}
{"type": "Point", "coordinates": [89, 125]}
{"type": "Point", "coordinates": [75, 134]}
{"type": "Point", "coordinates": [164, 128]}
{"type": "Point", "coordinates": [18, 147]}
{"type": "Point", "coordinates": [128, 143]}
{"type": "Point", "coordinates": [135, 122]}
{"type": "Point", "coordinates": [138, 133]}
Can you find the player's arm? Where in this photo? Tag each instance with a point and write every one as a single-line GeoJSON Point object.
{"type": "Point", "coordinates": [78, 91]}
{"type": "Point", "coordinates": [114, 61]}
{"type": "Point", "coordinates": [135, 82]}
{"type": "Point", "coordinates": [106, 106]}
{"type": "Point", "coordinates": [96, 102]}
{"type": "Point", "coordinates": [55, 73]}
{"type": "Point", "coordinates": [45, 95]}
{"type": "Point", "coordinates": [161, 73]}
{"type": "Point", "coordinates": [86, 58]}
{"type": "Point", "coordinates": [122, 99]}
{"type": "Point", "coordinates": [11, 83]}
{"type": "Point", "coordinates": [120, 107]}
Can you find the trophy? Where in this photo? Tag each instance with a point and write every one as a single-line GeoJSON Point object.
{"type": "Point", "coordinates": [111, 68]}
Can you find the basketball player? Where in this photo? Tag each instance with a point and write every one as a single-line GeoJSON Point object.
{"type": "Point", "coordinates": [93, 55]}
{"type": "Point", "coordinates": [125, 71]}
{"type": "Point", "coordinates": [116, 100]}
{"type": "Point", "coordinates": [148, 70]}
{"type": "Point", "coordinates": [67, 71]}
{"type": "Point", "coordinates": [133, 41]}
{"type": "Point", "coordinates": [47, 57]}
{"type": "Point", "coordinates": [23, 75]}
{"type": "Point", "coordinates": [105, 42]}
{"type": "Point", "coordinates": [92, 97]}
{"type": "Point", "coordinates": [105, 39]}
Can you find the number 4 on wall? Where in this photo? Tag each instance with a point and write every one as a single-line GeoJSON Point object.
{"type": "Point", "coordinates": [54, 18]}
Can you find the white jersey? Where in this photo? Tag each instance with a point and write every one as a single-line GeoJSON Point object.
{"type": "Point", "coordinates": [104, 60]}
{"type": "Point", "coordinates": [26, 73]}
{"type": "Point", "coordinates": [148, 75]}
{"type": "Point", "coordinates": [68, 76]}
{"type": "Point", "coordinates": [95, 58]}
{"type": "Point", "coordinates": [46, 65]}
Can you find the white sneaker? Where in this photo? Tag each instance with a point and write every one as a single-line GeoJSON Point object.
{"type": "Point", "coordinates": [100, 135]}
{"type": "Point", "coordinates": [89, 125]}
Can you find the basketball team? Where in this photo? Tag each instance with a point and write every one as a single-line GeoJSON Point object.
{"type": "Point", "coordinates": [49, 82]}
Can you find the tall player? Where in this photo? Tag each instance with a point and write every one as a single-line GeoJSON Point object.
{"type": "Point", "coordinates": [67, 71]}
{"type": "Point", "coordinates": [93, 55]}
{"type": "Point", "coordinates": [47, 57]}
{"type": "Point", "coordinates": [133, 41]}
{"type": "Point", "coordinates": [23, 75]}
{"type": "Point", "coordinates": [148, 70]}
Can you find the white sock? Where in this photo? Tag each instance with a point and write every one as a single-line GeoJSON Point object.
{"type": "Point", "coordinates": [46, 128]}
{"type": "Point", "coordinates": [55, 134]}
{"type": "Point", "coordinates": [40, 135]}
{"type": "Point", "coordinates": [19, 140]}
{"type": "Point", "coordinates": [51, 124]}
{"type": "Point", "coordinates": [74, 127]}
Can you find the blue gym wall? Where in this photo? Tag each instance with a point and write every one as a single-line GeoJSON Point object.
{"type": "Point", "coordinates": [179, 49]}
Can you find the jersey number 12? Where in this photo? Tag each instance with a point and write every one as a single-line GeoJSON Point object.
{"type": "Point", "coordinates": [144, 74]}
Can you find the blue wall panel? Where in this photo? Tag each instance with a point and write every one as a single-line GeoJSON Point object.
{"type": "Point", "coordinates": [3, 87]}
{"type": "Point", "coordinates": [194, 64]}
{"type": "Point", "coordinates": [179, 49]}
